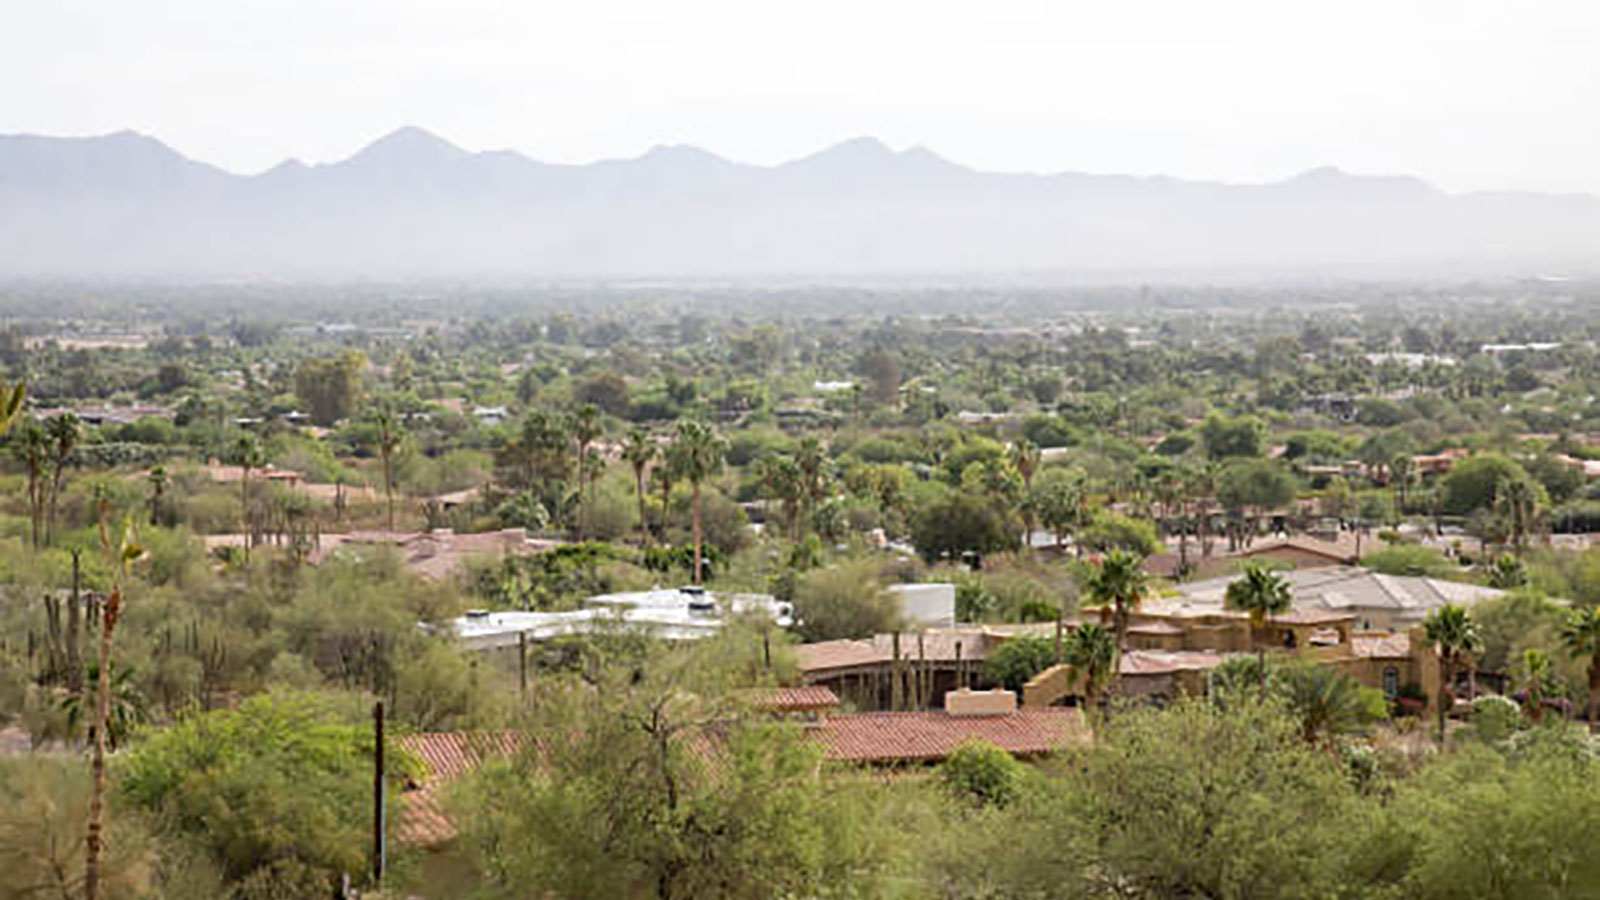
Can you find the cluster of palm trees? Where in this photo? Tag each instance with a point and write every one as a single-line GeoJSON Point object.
{"type": "Point", "coordinates": [695, 452]}
{"type": "Point", "coordinates": [798, 481]}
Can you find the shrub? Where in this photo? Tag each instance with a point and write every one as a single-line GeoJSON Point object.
{"type": "Point", "coordinates": [980, 771]}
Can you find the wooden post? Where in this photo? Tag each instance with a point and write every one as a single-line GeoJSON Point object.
{"type": "Point", "coordinates": [378, 849]}
{"type": "Point", "coordinates": [961, 672]}
{"type": "Point", "coordinates": [522, 660]}
{"type": "Point", "coordinates": [923, 689]}
{"type": "Point", "coordinates": [1060, 623]}
{"type": "Point", "coordinates": [895, 685]}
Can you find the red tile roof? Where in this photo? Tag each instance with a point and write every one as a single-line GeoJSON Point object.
{"type": "Point", "coordinates": [931, 736]}
{"type": "Point", "coordinates": [447, 756]}
{"type": "Point", "coordinates": [785, 699]}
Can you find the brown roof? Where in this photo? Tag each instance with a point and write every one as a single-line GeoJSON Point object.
{"type": "Point", "coordinates": [785, 699]}
{"type": "Point", "coordinates": [931, 736]}
{"type": "Point", "coordinates": [938, 645]}
{"type": "Point", "coordinates": [446, 756]}
{"type": "Point", "coordinates": [1311, 615]}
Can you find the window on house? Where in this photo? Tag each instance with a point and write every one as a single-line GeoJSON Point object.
{"type": "Point", "coordinates": [1391, 682]}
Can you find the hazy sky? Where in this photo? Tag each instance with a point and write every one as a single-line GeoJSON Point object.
{"type": "Point", "coordinates": [1467, 93]}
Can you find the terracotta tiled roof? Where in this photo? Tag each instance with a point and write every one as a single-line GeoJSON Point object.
{"type": "Point", "coordinates": [446, 756]}
{"type": "Point", "coordinates": [783, 699]}
{"type": "Point", "coordinates": [931, 736]}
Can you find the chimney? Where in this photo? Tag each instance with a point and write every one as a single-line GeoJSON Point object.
{"type": "Point", "coordinates": [965, 702]}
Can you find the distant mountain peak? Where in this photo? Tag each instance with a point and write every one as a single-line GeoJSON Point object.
{"type": "Point", "coordinates": [409, 143]}
{"type": "Point", "coordinates": [681, 154]}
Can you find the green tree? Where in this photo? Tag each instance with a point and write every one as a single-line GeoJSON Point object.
{"type": "Point", "coordinates": [1261, 593]}
{"type": "Point", "coordinates": [284, 777]}
{"type": "Point", "coordinates": [1014, 663]}
{"type": "Point", "coordinates": [959, 523]}
{"type": "Point", "coordinates": [1092, 653]}
{"type": "Point", "coordinates": [1474, 482]}
{"type": "Point", "coordinates": [981, 772]}
{"type": "Point", "coordinates": [64, 432]}
{"type": "Point", "coordinates": [698, 451]}
{"type": "Point", "coordinates": [388, 435]}
{"type": "Point", "coordinates": [248, 455]}
{"type": "Point", "coordinates": [651, 789]}
{"type": "Point", "coordinates": [1225, 438]}
{"type": "Point", "coordinates": [1454, 635]}
{"type": "Point", "coordinates": [31, 446]}
{"type": "Point", "coordinates": [844, 601]}
{"type": "Point", "coordinates": [585, 427]}
{"type": "Point", "coordinates": [1120, 582]}
{"type": "Point", "coordinates": [1327, 702]}
{"type": "Point", "coordinates": [640, 451]}
{"type": "Point", "coordinates": [1581, 636]}
{"type": "Point", "coordinates": [330, 388]}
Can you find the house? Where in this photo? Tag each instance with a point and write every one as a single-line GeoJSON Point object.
{"type": "Point", "coordinates": [1301, 551]}
{"type": "Point", "coordinates": [490, 416]}
{"type": "Point", "coordinates": [676, 614]}
{"type": "Point", "coordinates": [1374, 600]}
{"type": "Point", "coordinates": [926, 604]}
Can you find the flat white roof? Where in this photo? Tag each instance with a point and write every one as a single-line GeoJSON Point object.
{"type": "Point", "coordinates": [672, 614]}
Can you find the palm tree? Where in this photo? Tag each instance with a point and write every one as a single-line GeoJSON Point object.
{"type": "Point", "coordinates": [1581, 635]}
{"type": "Point", "coordinates": [700, 451]}
{"type": "Point", "coordinates": [1518, 500]}
{"type": "Point", "coordinates": [781, 476]}
{"type": "Point", "coordinates": [663, 476]}
{"type": "Point", "coordinates": [1025, 459]}
{"type": "Point", "coordinates": [812, 458]}
{"type": "Point", "coordinates": [1091, 651]}
{"type": "Point", "coordinates": [11, 398]}
{"type": "Point", "coordinates": [32, 449]}
{"type": "Point", "coordinates": [63, 432]}
{"type": "Point", "coordinates": [247, 451]}
{"type": "Point", "coordinates": [640, 451]}
{"type": "Point", "coordinates": [158, 491]}
{"type": "Point", "coordinates": [1455, 636]}
{"type": "Point", "coordinates": [388, 438]}
{"type": "Point", "coordinates": [585, 427]}
{"type": "Point", "coordinates": [1262, 593]}
{"type": "Point", "coordinates": [1402, 470]}
{"type": "Point", "coordinates": [1535, 678]}
{"type": "Point", "coordinates": [1119, 581]}
{"type": "Point", "coordinates": [1325, 700]}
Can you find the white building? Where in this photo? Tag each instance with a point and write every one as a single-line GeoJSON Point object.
{"type": "Point", "coordinates": [932, 605]}
{"type": "Point", "coordinates": [681, 614]}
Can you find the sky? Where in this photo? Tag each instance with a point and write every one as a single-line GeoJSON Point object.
{"type": "Point", "coordinates": [1468, 94]}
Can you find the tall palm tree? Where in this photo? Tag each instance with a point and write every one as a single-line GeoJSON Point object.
{"type": "Point", "coordinates": [1091, 651]}
{"type": "Point", "coordinates": [1402, 470]}
{"type": "Point", "coordinates": [812, 458]}
{"type": "Point", "coordinates": [388, 436]}
{"type": "Point", "coordinates": [1518, 501]}
{"type": "Point", "coordinates": [1581, 635]}
{"type": "Point", "coordinates": [1025, 459]}
{"type": "Point", "coordinates": [1119, 581]}
{"type": "Point", "coordinates": [63, 432]}
{"type": "Point", "coordinates": [585, 426]}
{"type": "Point", "coordinates": [1454, 634]}
{"type": "Point", "coordinates": [700, 451]}
{"type": "Point", "coordinates": [32, 449]}
{"type": "Point", "coordinates": [781, 477]}
{"type": "Point", "coordinates": [158, 491]}
{"type": "Point", "coordinates": [248, 454]}
{"type": "Point", "coordinates": [1262, 593]}
{"type": "Point", "coordinates": [640, 451]}
{"type": "Point", "coordinates": [11, 399]}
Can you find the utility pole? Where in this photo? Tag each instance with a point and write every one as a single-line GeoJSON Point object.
{"type": "Point", "coordinates": [378, 849]}
{"type": "Point", "coordinates": [522, 660]}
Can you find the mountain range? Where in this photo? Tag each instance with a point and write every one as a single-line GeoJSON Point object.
{"type": "Point", "coordinates": [413, 204]}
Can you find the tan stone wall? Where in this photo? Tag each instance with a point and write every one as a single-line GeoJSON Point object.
{"type": "Point", "coordinates": [980, 703]}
